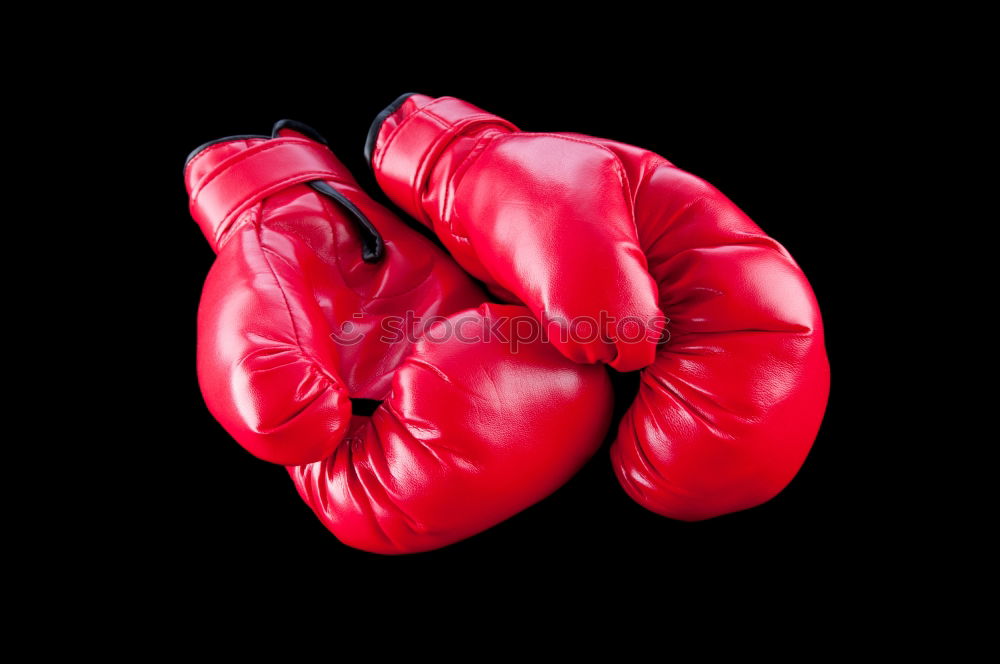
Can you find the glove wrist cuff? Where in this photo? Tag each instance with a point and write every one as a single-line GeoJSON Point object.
{"type": "Point", "coordinates": [407, 138]}
{"type": "Point", "coordinates": [229, 177]}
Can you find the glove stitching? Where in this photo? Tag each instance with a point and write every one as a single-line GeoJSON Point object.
{"type": "Point", "coordinates": [368, 470]}
{"type": "Point", "coordinates": [212, 148]}
{"type": "Point", "coordinates": [368, 506]}
{"type": "Point", "coordinates": [328, 208]}
{"type": "Point", "coordinates": [241, 157]}
{"type": "Point", "coordinates": [422, 170]}
{"type": "Point", "coordinates": [363, 297]}
{"type": "Point", "coordinates": [639, 447]}
{"type": "Point", "coordinates": [335, 384]}
{"type": "Point", "coordinates": [272, 189]}
{"type": "Point", "coordinates": [467, 164]}
{"type": "Point", "coordinates": [431, 449]}
{"type": "Point", "coordinates": [688, 406]}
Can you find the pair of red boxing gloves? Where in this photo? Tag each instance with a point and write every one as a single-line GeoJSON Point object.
{"type": "Point", "coordinates": [410, 409]}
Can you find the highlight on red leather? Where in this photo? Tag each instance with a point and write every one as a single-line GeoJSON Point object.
{"type": "Point", "coordinates": [734, 377]}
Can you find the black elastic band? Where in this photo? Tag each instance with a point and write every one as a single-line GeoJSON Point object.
{"type": "Point", "coordinates": [377, 124]}
{"type": "Point", "coordinates": [299, 127]}
{"type": "Point", "coordinates": [372, 246]}
{"type": "Point", "coordinates": [238, 137]}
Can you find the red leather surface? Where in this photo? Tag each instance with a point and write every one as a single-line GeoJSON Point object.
{"type": "Point", "coordinates": [468, 434]}
{"type": "Point", "coordinates": [573, 226]}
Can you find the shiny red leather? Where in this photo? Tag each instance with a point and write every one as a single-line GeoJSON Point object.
{"type": "Point", "coordinates": [294, 323]}
{"type": "Point", "coordinates": [732, 396]}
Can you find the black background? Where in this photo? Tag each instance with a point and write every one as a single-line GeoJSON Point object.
{"type": "Point", "coordinates": [778, 136]}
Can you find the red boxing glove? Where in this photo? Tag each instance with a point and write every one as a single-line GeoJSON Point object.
{"type": "Point", "coordinates": [307, 315]}
{"type": "Point", "coordinates": [605, 243]}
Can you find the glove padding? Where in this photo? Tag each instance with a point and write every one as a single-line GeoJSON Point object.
{"type": "Point", "coordinates": [592, 233]}
{"type": "Point", "coordinates": [306, 316]}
